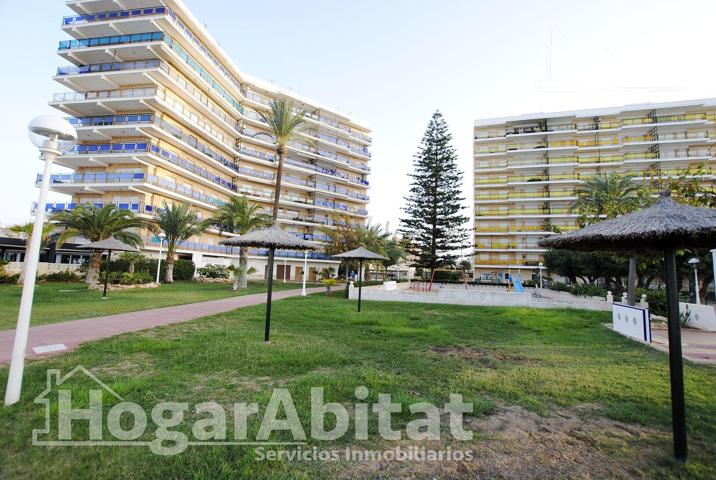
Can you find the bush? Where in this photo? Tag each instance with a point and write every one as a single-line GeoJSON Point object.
{"type": "Point", "coordinates": [559, 287]}
{"type": "Point", "coordinates": [450, 275]}
{"type": "Point", "coordinates": [66, 276]}
{"type": "Point", "coordinates": [124, 278]}
{"type": "Point", "coordinates": [183, 269]}
{"type": "Point", "coordinates": [4, 278]}
{"type": "Point", "coordinates": [213, 271]}
{"type": "Point", "coordinates": [587, 290]}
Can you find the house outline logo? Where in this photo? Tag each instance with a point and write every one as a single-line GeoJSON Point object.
{"type": "Point", "coordinates": [54, 380]}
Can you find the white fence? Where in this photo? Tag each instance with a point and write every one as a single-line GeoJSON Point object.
{"type": "Point", "coordinates": [481, 296]}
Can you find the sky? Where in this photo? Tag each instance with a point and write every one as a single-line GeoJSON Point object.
{"type": "Point", "coordinates": [391, 64]}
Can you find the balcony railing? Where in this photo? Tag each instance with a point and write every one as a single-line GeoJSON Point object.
{"type": "Point", "coordinates": [108, 67]}
{"type": "Point", "coordinates": [113, 15]}
{"type": "Point", "coordinates": [110, 40]}
{"type": "Point", "coordinates": [603, 125]}
{"type": "Point", "coordinates": [104, 94]}
{"type": "Point", "coordinates": [136, 207]}
{"type": "Point", "coordinates": [150, 119]}
{"type": "Point", "coordinates": [129, 178]}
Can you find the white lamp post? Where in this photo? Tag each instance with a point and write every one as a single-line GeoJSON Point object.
{"type": "Point", "coordinates": [305, 266]}
{"type": "Point", "coordinates": [541, 265]}
{"type": "Point", "coordinates": [694, 262]}
{"type": "Point", "coordinates": [713, 262]}
{"type": "Point", "coordinates": [53, 136]}
{"type": "Point", "coordinates": [161, 236]}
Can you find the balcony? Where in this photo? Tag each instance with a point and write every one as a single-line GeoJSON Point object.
{"type": "Point", "coordinates": [108, 67]}
{"type": "Point", "coordinates": [151, 119]}
{"type": "Point", "coordinates": [138, 208]}
{"type": "Point", "coordinates": [110, 41]}
{"type": "Point", "coordinates": [113, 15]}
{"type": "Point", "coordinates": [127, 178]}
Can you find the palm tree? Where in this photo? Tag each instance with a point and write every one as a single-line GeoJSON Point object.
{"type": "Point", "coordinates": [283, 119]}
{"type": "Point", "coordinates": [610, 196]}
{"type": "Point", "coordinates": [25, 230]}
{"type": "Point", "coordinates": [132, 259]}
{"type": "Point", "coordinates": [95, 224]}
{"type": "Point", "coordinates": [607, 196]}
{"type": "Point", "coordinates": [238, 215]}
{"type": "Point", "coordinates": [179, 224]}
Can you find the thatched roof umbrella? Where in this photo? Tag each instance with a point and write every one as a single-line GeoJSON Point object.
{"type": "Point", "coordinates": [272, 238]}
{"type": "Point", "coordinates": [665, 226]}
{"type": "Point", "coordinates": [110, 244]}
{"type": "Point", "coordinates": [361, 253]}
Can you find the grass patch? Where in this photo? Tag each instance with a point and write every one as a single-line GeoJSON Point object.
{"type": "Point", "coordinates": [549, 370]}
{"type": "Point", "coordinates": [59, 302]}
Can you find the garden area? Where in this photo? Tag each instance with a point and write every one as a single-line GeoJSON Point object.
{"type": "Point", "coordinates": [59, 302]}
{"type": "Point", "coordinates": [552, 388]}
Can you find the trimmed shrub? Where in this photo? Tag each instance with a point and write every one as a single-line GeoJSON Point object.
{"type": "Point", "coordinates": [587, 290]}
{"type": "Point", "coordinates": [125, 278]}
{"type": "Point", "coordinates": [66, 276]}
{"type": "Point", "coordinates": [213, 271]}
{"type": "Point", "coordinates": [4, 278]}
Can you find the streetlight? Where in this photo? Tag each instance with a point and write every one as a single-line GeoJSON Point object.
{"type": "Point", "coordinates": [713, 262]}
{"type": "Point", "coordinates": [161, 237]}
{"type": "Point", "coordinates": [305, 266]}
{"type": "Point", "coordinates": [53, 136]}
{"type": "Point", "coordinates": [541, 265]}
{"type": "Point", "coordinates": [694, 262]}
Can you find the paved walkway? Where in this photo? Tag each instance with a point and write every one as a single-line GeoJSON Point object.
{"type": "Point", "coordinates": [70, 334]}
{"type": "Point", "coordinates": [697, 346]}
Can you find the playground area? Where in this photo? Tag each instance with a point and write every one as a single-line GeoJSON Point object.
{"type": "Point", "coordinates": [478, 295]}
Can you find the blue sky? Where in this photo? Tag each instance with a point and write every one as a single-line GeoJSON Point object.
{"type": "Point", "coordinates": [392, 63]}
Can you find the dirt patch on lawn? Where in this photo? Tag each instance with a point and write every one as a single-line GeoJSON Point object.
{"type": "Point", "coordinates": [486, 358]}
{"type": "Point", "coordinates": [514, 443]}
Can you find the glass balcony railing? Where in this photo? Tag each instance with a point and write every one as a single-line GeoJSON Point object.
{"type": "Point", "coordinates": [172, 129]}
{"type": "Point", "coordinates": [113, 15]}
{"type": "Point", "coordinates": [104, 95]}
{"type": "Point", "coordinates": [145, 147]}
{"type": "Point", "coordinates": [129, 178]}
{"type": "Point", "coordinates": [108, 67]}
{"type": "Point", "coordinates": [139, 208]}
{"type": "Point", "coordinates": [111, 40]}
{"type": "Point", "coordinates": [602, 125]}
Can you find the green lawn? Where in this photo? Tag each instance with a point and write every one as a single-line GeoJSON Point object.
{"type": "Point", "coordinates": [58, 302]}
{"type": "Point", "coordinates": [605, 399]}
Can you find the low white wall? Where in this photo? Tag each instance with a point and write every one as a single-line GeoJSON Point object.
{"type": "Point", "coordinates": [702, 317]}
{"type": "Point", "coordinates": [480, 296]}
{"type": "Point", "coordinates": [43, 268]}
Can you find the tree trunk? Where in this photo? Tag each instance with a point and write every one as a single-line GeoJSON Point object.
{"type": "Point", "coordinates": [279, 175]}
{"type": "Point", "coordinates": [241, 281]}
{"type": "Point", "coordinates": [130, 268]}
{"type": "Point", "coordinates": [169, 265]}
{"type": "Point", "coordinates": [93, 268]}
{"type": "Point", "coordinates": [631, 280]}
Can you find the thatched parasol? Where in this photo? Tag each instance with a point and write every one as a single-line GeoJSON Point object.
{"type": "Point", "coordinates": [361, 253]}
{"type": "Point", "coordinates": [272, 238]}
{"type": "Point", "coordinates": [110, 244]}
{"type": "Point", "coordinates": [666, 225]}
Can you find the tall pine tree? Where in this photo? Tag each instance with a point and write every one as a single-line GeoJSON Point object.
{"type": "Point", "coordinates": [434, 223]}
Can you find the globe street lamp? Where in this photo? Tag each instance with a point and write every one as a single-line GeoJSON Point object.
{"type": "Point", "coordinates": [694, 262]}
{"type": "Point", "coordinates": [53, 136]}
{"type": "Point", "coordinates": [161, 237]}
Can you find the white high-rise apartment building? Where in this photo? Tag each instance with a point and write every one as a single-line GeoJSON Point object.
{"type": "Point", "coordinates": [528, 166]}
{"type": "Point", "coordinates": [163, 115]}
